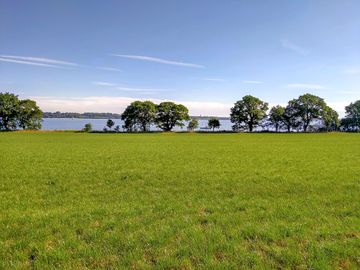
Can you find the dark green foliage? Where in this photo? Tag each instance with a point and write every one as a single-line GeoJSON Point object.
{"type": "Point", "coordinates": [248, 113]}
{"type": "Point", "coordinates": [169, 115]}
{"type": "Point", "coordinates": [352, 121]}
{"type": "Point", "coordinates": [331, 119]}
{"type": "Point", "coordinates": [87, 127]}
{"type": "Point", "coordinates": [30, 115]}
{"type": "Point", "coordinates": [110, 123]}
{"type": "Point", "coordinates": [18, 113]}
{"type": "Point", "coordinates": [193, 124]}
{"type": "Point", "coordinates": [308, 108]}
{"type": "Point", "coordinates": [139, 114]}
{"type": "Point", "coordinates": [213, 123]}
{"type": "Point", "coordinates": [276, 117]}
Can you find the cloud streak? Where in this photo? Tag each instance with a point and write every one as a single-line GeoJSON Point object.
{"type": "Point", "coordinates": [294, 47]}
{"type": "Point", "coordinates": [27, 63]}
{"type": "Point", "coordinates": [158, 60]}
{"type": "Point", "coordinates": [40, 60]}
{"type": "Point", "coordinates": [252, 82]}
{"type": "Point", "coordinates": [110, 69]}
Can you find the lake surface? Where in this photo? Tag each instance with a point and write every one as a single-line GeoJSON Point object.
{"type": "Point", "coordinates": [99, 124]}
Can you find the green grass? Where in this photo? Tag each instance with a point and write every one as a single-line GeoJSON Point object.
{"type": "Point", "coordinates": [179, 201]}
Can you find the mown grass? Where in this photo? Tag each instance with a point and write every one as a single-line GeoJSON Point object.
{"type": "Point", "coordinates": [179, 201]}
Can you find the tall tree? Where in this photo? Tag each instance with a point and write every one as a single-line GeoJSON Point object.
{"type": "Point", "coordinates": [139, 114]}
{"type": "Point", "coordinates": [169, 115]}
{"type": "Point", "coordinates": [248, 113]}
{"type": "Point", "coordinates": [290, 117]}
{"type": "Point", "coordinates": [213, 123]}
{"type": "Point", "coordinates": [276, 117]}
{"type": "Point", "coordinates": [308, 108]}
{"type": "Point", "coordinates": [9, 110]}
{"type": "Point", "coordinates": [331, 119]}
{"type": "Point", "coordinates": [30, 115]}
{"type": "Point", "coordinates": [353, 113]}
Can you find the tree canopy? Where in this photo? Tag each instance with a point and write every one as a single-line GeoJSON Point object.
{"type": "Point", "coordinates": [193, 124]}
{"type": "Point", "coordinates": [16, 113]}
{"type": "Point", "coordinates": [139, 114]}
{"type": "Point", "coordinates": [213, 123]}
{"type": "Point", "coordinates": [353, 115]}
{"type": "Point", "coordinates": [248, 113]}
{"type": "Point", "coordinates": [169, 115]}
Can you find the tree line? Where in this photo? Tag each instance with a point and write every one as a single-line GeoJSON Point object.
{"type": "Point", "coordinates": [305, 113]}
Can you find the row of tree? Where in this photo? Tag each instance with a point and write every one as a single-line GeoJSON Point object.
{"type": "Point", "coordinates": [16, 113]}
{"type": "Point", "coordinates": [305, 112]}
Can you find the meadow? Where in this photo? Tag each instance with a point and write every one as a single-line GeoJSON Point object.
{"type": "Point", "coordinates": [179, 201]}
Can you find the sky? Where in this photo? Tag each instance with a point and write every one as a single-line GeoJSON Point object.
{"type": "Point", "coordinates": [98, 56]}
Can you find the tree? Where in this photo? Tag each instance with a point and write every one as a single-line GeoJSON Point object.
{"type": "Point", "coordinates": [169, 115]}
{"type": "Point", "coordinates": [110, 123]}
{"type": "Point", "coordinates": [213, 123]}
{"type": "Point", "coordinates": [290, 117]}
{"type": "Point", "coordinates": [331, 119]}
{"type": "Point", "coordinates": [87, 127]}
{"type": "Point", "coordinates": [193, 124]}
{"type": "Point", "coordinates": [308, 108]}
{"type": "Point", "coordinates": [276, 117]}
{"type": "Point", "coordinates": [353, 113]}
{"type": "Point", "coordinates": [9, 111]}
{"type": "Point", "coordinates": [29, 115]}
{"type": "Point", "coordinates": [248, 112]}
{"type": "Point", "coordinates": [139, 114]}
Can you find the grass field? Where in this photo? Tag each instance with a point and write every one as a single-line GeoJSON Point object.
{"type": "Point", "coordinates": [179, 201]}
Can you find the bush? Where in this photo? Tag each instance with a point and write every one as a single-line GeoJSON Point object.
{"type": "Point", "coordinates": [87, 127]}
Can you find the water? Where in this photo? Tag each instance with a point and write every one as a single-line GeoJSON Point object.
{"type": "Point", "coordinates": [99, 124]}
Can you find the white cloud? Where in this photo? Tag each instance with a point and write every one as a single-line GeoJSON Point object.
{"type": "Point", "coordinates": [252, 82]}
{"type": "Point", "coordinates": [26, 63]}
{"type": "Point", "coordinates": [39, 60]}
{"type": "Point", "coordinates": [158, 60]}
{"type": "Point", "coordinates": [306, 85]}
{"type": "Point", "coordinates": [294, 47]}
{"type": "Point", "coordinates": [110, 69]}
{"type": "Point", "coordinates": [118, 105]}
{"type": "Point", "coordinates": [104, 83]}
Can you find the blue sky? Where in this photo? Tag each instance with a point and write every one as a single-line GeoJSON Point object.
{"type": "Point", "coordinates": [101, 55]}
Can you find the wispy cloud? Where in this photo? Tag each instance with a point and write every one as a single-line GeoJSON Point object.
{"type": "Point", "coordinates": [110, 69]}
{"type": "Point", "coordinates": [294, 47]}
{"type": "Point", "coordinates": [158, 60]}
{"type": "Point", "coordinates": [306, 85]}
{"type": "Point", "coordinates": [26, 62]}
{"type": "Point", "coordinates": [214, 79]}
{"type": "Point", "coordinates": [252, 82]}
{"type": "Point", "coordinates": [104, 83]}
{"type": "Point", "coordinates": [40, 60]}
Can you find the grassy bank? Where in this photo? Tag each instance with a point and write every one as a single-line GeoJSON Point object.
{"type": "Point", "coordinates": [179, 201]}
